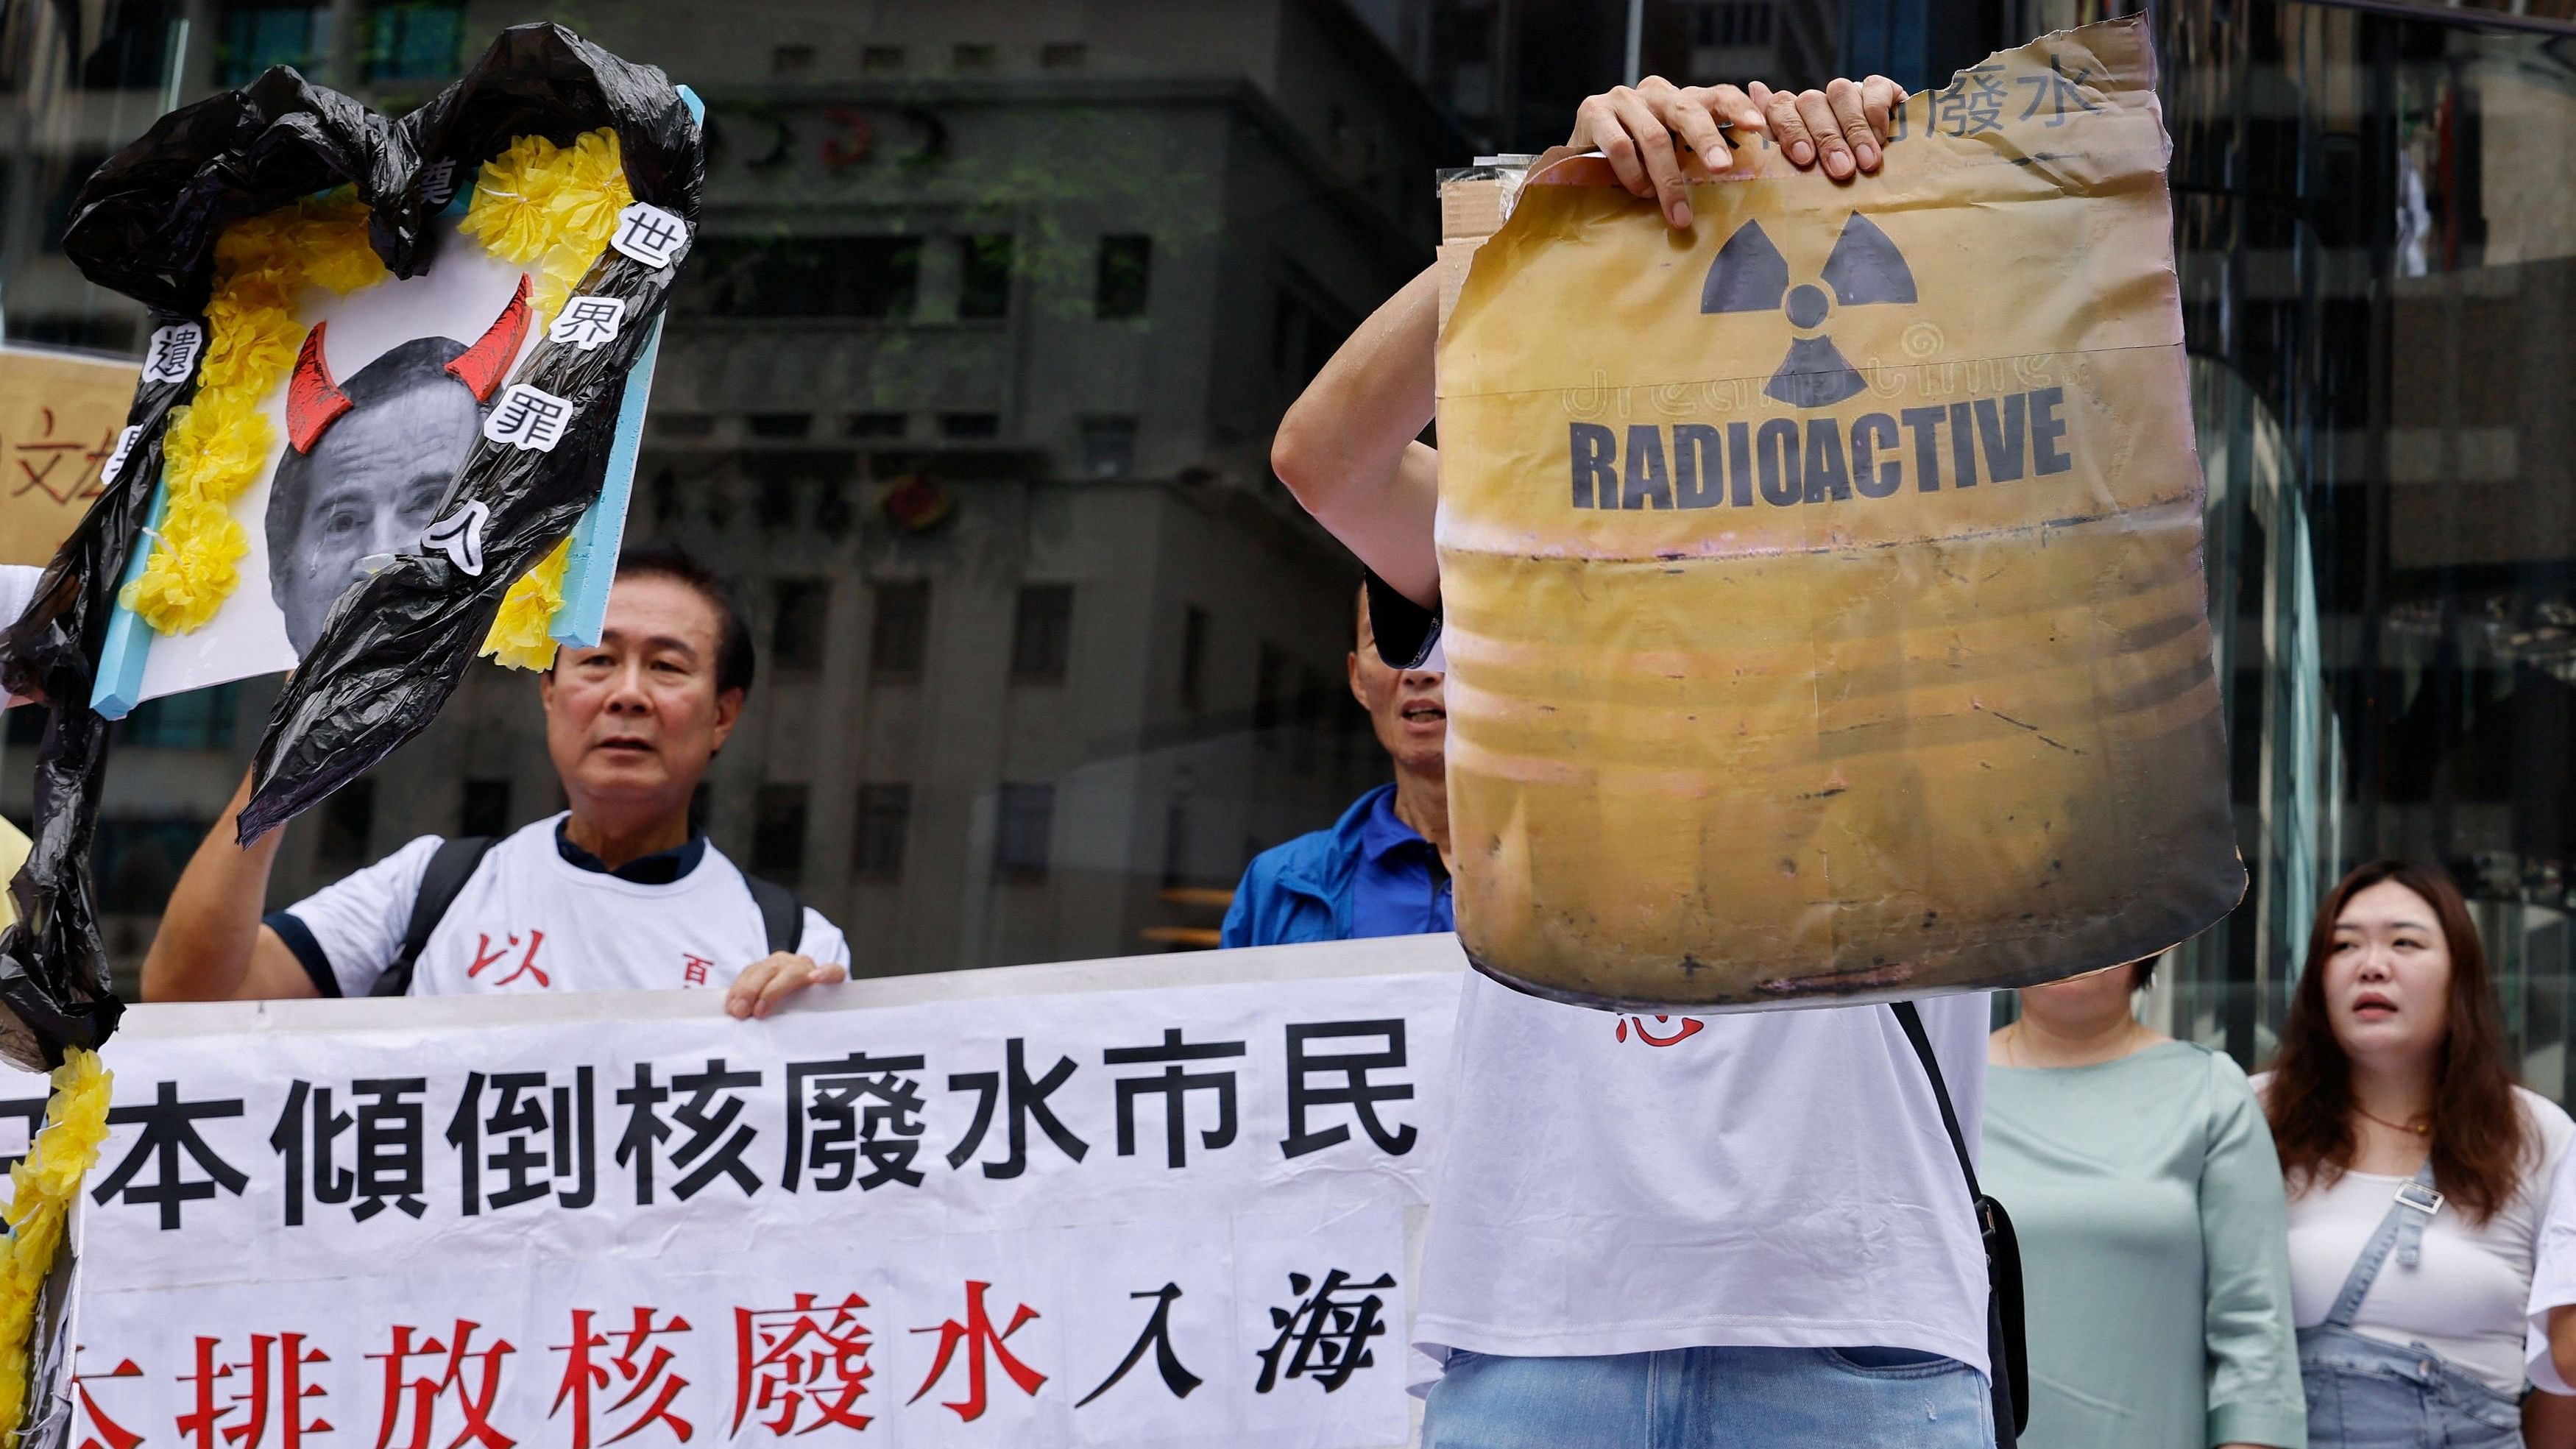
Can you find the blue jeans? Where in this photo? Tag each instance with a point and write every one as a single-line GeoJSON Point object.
{"type": "Point", "coordinates": [1738, 1398]}
{"type": "Point", "coordinates": [2367, 1394]}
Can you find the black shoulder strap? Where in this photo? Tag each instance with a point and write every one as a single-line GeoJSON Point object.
{"type": "Point", "coordinates": [449, 868]}
{"type": "Point", "coordinates": [2007, 1342]}
{"type": "Point", "coordinates": [782, 916]}
{"type": "Point", "coordinates": [1912, 1020]}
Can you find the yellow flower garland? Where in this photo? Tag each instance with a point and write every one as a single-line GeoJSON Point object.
{"type": "Point", "coordinates": [552, 207]}
{"type": "Point", "coordinates": [41, 1190]}
{"type": "Point", "coordinates": [218, 443]}
{"type": "Point", "coordinates": [536, 204]}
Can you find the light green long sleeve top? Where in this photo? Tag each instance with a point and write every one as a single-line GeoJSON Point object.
{"type": "Point", "coordinates": [2155, 1261]}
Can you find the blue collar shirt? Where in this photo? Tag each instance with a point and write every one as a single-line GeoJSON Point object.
{"type": "Point", "coordinates": [1401, 888]}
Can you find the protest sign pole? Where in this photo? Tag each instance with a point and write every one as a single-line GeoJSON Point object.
{"type": "Point", "coordinates": [129, 639]}
{"type": "Point", "coordinates": [593, 564]}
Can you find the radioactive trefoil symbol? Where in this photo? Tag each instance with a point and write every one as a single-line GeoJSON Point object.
{"type": "Point", "coordinates": [1750, 275]}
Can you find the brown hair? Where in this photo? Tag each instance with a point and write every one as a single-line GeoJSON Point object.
{"type": "Point", "coordinates": [2479, 1138]}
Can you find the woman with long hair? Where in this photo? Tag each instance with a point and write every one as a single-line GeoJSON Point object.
{"type": "Point", "coordinates": [2418, 1172]}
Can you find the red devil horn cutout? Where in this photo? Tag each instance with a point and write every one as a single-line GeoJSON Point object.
{"type": "Point", "coordinates": [313, 400]}
{"type": "Point", "coordinates": [482, 365]}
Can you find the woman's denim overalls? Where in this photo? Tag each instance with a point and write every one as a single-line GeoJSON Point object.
{"type": "Point", "coordinates": [2367, 1393]}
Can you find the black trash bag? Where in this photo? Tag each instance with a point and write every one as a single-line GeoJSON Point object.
{"type": "Point", "coordinates": [145, 224]}
{"type": "Point", "coordinates": [53, 965]}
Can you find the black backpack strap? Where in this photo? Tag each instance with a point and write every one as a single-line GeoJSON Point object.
{"type": "Point", "coordinates": [2007, 1344]}
{"type": "Point", "coordinates": [450, 866]}
{"type": "Point", "coordinates": [782, 916]}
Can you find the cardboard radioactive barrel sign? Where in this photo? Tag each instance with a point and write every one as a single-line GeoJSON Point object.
{"type": "Point", "coordinates": [1825, 608]}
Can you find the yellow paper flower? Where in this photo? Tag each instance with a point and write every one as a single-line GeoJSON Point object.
{"type": "Point", "coordinates": [552, 208]}
{"type": "Point", "coordinates": [41, 1189]}
{"type": "Point", "coordinates": [519, 635]}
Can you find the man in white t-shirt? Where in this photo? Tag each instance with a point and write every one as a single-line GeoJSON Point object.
{"type": "Point", "coordinates": [617, 892]}
{"type": "Point", "coordinates": [1743, 1229]}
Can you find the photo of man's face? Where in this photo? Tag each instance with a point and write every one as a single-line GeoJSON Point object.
{"type": "Point", "coordinates": [371, 482]}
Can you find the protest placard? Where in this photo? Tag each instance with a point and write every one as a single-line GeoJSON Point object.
{"type": "Point", "coordinates": [1170, 1200]}
{"type": "Point", "coordinates": [1825, 608]}
{"type": "Point", "coordinates": [61, 414]}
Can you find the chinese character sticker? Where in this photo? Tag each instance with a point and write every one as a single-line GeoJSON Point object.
{"type": "Point", "coordinates": [529, 417]}
{"type": "Point", "coordinates": [588, 321]}
{"type": "Point", "coordinates": [115, 463]}
{"type": "Point", "coordinates": [460, 536]}
{"type": "Point", "coordinates": [438, 183]}
{"type": "Point", "coordinates": [172, 356]}
{"type": "Point", "coordinates": [650, 235]}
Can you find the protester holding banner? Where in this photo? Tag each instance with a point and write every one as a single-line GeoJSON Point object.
{"type": "Point", "coordinates": [2419, 1173]}
{"type": "Point", "coordinates": [1383, 868]}
{"type": "Point", "coordinates": [621, 891]}
{"type": "Point", "coordinates": [2148, 1204]}
{"type": "Point", "coordinates": [1649, 1227]}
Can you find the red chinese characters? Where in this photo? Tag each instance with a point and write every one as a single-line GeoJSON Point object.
{"type": "Point", "coordinates": [485, 954]}
{"type": "Point", "coordinates": [801, 1363]}
{"type": "Point", "coordinates": [642, 1366]}
{"type": "Point", "coordinates": [977, 1336]}
{"type": "Point", "coordinates": [456, 1367]}
{"type": "Point", "coordinates": [274, 1386]}
{"type": "Point", "coordinates": [102, 1432]}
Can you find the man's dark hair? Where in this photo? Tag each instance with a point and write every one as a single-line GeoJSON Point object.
{"type": "Point", "coordinates": [419, 363]}
{"type": "Point", "coordinates": [734, 658]}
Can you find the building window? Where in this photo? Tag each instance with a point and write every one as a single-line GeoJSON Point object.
{"type": "Point", "coordinates": [201, 719]}
{"type": "Point", "coordinates": [254, 36]}
{"type": "Point", "coordinates": [984, 277]}
{"type": "Point", "coordinates": [885, 814]}
{"type": "Point", "coordinates": [1042, 634]}
{"type": "Point", "coordinates": [685, 425]}
{"type": "Point", "coordinates": [1108, 447]}
{"type": "Point", "coordinates": [1062, 55]}
{"type": "Point", "coordinates": [1271, 685]}
{"type": "Point", "coordinates": [879, 425]}
{"type": "Point", "coordinates": [880, 59]}
{"type": "Point", "coordinates": [415, 40]}
{"type": "Point", "coordinates": [802, 610]}
{"type": "Point", "coordinates": [1024, 827]}
{"type": "Point", "coordinates": [1194, 632]}
{"type": "Point", "coordinates": [1126, 276]}
{"type": "Point", "coordinates": [871, 277]}
{"type": "Point", "coordinates": [791, 60]}
{"type": "Point", "coordinates": [66, 193]}
{"type": "Point", "coordinates": [135, 863]}
{"type": "Point", "coordinates": [348, 818]}
{"type": "Point", "coordinates": [970, 427]}
{"type": "Point", "coordinates": [134, 52]}
{"type": "Point", "coordinates": [899, 640]}
{"type": "Point", "coordinates": [780, 425]}
{"type": "Point", "coordinates": [973, 57]}
{"type": "Point", "coordinates": [1732, 23]}
{"type": "Point", "coordinates": [487, 808]}
{"type": "Point", "coordinates": [1302, 338]}
{"type": "Point", "coordinates": [778, 834]}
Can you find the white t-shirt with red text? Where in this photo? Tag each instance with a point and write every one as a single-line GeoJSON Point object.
{"type": "Point", "coordinates": [1629, 1183]}
{"type": "Point", "coordinates": [530, 920]}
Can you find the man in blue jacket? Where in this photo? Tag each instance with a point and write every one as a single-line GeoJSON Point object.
{"type": "Point", "coordinates": [1383, 868]}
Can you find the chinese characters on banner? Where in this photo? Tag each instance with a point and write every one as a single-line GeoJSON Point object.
{"type": "Point", "coordinates": [60, 418]}
{"type": "Point", "coordinates": [1174, 1214]}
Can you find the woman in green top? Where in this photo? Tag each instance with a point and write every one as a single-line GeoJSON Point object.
{"type": "Point", "coordinates": [2155, 1267]}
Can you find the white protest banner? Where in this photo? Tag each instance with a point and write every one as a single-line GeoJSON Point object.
{"type": "Point", "coordinates": [1171, 1200]}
